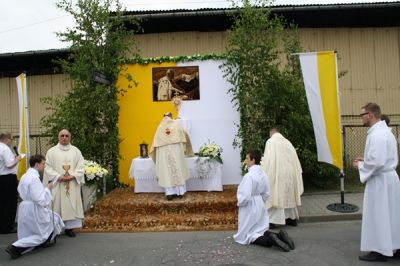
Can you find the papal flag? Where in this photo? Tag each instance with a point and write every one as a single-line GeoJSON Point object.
{"type": "Point", "coordinates": [320, 77]}
{"type": "Point", "coordinates": [23, 144]}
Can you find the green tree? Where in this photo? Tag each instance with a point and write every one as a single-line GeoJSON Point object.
{"type": "Point", "coordinates": [100, 41]}
{"type": "Point", "coordinates": [267, 85]}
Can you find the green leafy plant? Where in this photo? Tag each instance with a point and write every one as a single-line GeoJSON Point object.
{"type": "Point", "coordinates": [100, 42]}
{"type": "Point", "coordinates": [267, 87]}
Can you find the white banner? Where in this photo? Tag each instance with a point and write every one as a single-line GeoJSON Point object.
{"type": "Point", "coordinates": [23, 144]}
{"type": "Point", "coordinates": [321, 83]}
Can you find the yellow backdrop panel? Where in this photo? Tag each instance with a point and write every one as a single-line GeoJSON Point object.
{"type": "Point", "coordinates": [139, 116]}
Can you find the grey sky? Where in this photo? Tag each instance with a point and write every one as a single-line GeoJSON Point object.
{"type": "Point", "coordinates": [30, 25]}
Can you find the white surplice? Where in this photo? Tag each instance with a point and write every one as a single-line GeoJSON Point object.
{"type": "Point", "coordinates": [35, 219]}
{"type": "Point", "coordinates": [283, 168]}
{"type": "Point", "coordinates": [381, 209]}
{"type": "Point", "coordinates": [252, 193]}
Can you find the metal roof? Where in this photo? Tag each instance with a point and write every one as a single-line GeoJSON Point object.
{"type": "Point", "coordinates": [205, 15]}
{"type": "Point", "coordinates": [162, 6]}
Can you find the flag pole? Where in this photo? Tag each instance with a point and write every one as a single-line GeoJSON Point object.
{"type": "Point", "coordinates": [342, 206]}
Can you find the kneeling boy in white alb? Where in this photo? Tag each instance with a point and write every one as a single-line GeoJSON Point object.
{"type": "Point", "coordinates": [37, 224]}
{"type": "Point", "coordinates": [253, 220]}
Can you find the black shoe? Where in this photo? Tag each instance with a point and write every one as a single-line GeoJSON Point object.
{"type": "Point", "coordinates": [396, 255]}
{"type": "Point", "coordinates": [272, 226]}
{"type": "Point", "coordinates": [171, 197]}
{"type": "Point", "coordinates": [70, 232]}
{"type": "Point", "coordinates": [279, 243]}
{"type": "Point", "coordinates": [292, 222]}
{"type": "Point", "coordinates": [373, 256]}
{"type": "Point", "coordinates": [13, 251]}
{"type": "Point", "coordinates": [283, 235]}
{"type": "Point", "coordinates": [48, 243]}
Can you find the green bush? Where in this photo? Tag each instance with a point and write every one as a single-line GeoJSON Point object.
{"type": "Point", "coordinates": [99, 42]}
{"type": "Point", "coordinates": [267, 87]}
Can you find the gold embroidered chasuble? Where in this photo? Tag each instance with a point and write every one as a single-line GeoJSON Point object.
{"type": "Point", "coordinates": [168, 152]}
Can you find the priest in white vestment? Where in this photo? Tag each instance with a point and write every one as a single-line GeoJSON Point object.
{"type": "Point", "coordinates": [283, 168]}
{"type": "Point", "coordinates": [37, 224]}
{"type": "Point", "coordinates": [65, 167]}
{"type": "Point", "coordinates": [253, 219]}
{"type": "Point", "coordinates": [168, 153]}
{"type": "Point", "coordinates": [380, 232]}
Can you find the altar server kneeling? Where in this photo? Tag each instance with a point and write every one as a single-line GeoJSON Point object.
{"type": "Point", "coordinates": [253, 220]}
{"type": "Point", "coordinates": [38, 226]}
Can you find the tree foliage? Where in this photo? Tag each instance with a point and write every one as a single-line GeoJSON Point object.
{"type": "Point", "coordinates": [99, 42]}
{"type": "Point", "coordinates": [267, 85]}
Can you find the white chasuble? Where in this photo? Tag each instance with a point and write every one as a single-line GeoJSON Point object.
{"type": "Point", "coordinates": [283, 168]}
{"type": "Point", "coordinates": [67, 197]}
{"type": "Point", "coordinates": [168, 153]}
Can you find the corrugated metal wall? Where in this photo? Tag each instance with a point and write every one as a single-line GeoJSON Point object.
{"type": "Point", "coordinates": [37, 87]}
{"type": "Point", "coordinates": [370, 56]}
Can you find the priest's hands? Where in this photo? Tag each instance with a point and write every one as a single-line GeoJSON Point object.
{"type": "Point", "coordinates": [66, 178]}
{"type": "Point", "coordinates": [357, 161]}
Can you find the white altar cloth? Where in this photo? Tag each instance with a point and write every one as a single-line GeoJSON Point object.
{"type": "Point", "coordinates": [205, 175]}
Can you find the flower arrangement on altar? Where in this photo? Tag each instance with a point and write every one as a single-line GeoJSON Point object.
{"type": "Point", "coordinates": [212, 151]}
{"type": "Point", "coordinates": [94, 172]}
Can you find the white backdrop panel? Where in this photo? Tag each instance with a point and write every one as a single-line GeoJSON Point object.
{"type": "Point", "coordinates": [213, 117]}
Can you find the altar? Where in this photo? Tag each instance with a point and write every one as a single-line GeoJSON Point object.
{"type": "Point", "coordinates": [205, 175]}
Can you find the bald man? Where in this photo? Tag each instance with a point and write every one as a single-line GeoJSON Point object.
{"type": "Point", "coordinates": [65, 168]}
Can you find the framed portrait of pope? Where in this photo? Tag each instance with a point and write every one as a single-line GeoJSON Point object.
{"type": "Point", "coordinates": [169, 82]}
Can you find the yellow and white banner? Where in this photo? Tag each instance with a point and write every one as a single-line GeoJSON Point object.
{"type": "Point", "coordinates": [23, 144]}
{"type": "Point", "coordinates": [321, 83]}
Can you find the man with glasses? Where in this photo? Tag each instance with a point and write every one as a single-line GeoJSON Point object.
{"type": "Point", "coordinates": [8, 184]}
{"type": "Point", "coordinates": [380, 234]}
{"type": "Point", "coordinates": [65, 168]}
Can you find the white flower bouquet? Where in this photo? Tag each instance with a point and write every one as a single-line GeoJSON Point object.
{"type": "Point", "coordinates": [93, 172]}
{"type": "Point", "coordinates": [212, 151]}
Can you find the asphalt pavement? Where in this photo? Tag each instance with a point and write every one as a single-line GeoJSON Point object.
{"type": "Point", "coordinates": [317, 243]}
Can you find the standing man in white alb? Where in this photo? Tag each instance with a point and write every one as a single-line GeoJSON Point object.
{"type": "Point", "coordinates": [65, 168]}
{"type": "Point", "coordinates": [283, 168]}
{"type": "Point", "coordinates": [37, 224]}
{"type": "Point", "coordinates": [380, 231]}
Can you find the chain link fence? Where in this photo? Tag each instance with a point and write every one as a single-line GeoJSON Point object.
{"type": "Point", "coordinates": [354, 137]}
{"type": "Point", "coordinates": [39, 144]}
